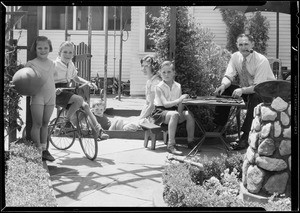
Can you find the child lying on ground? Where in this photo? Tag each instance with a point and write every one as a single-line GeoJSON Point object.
{"type": "Point", "coordinates": [125, 124]}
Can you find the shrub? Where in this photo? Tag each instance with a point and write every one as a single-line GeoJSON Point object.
{"type": "Point", "coordinates": [259, 29]}
{"type": "Point", "coordinates": [214, 166]}
{"type": "Point", "coordinates": [199, 62]}
{"type": "Point", "coordinates": [181, 191]}
{"type": "Point", "coordinates": [237, 23]}
{"type": "Point", "coordinates": [26, 181]}
{"type": "Point", "coordinates": [11, 100]}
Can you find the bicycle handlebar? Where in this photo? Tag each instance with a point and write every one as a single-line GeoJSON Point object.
{"type": "Point", "coordinates": [73, 88]}
{"type": "Point", "coordinates": [66, 88]}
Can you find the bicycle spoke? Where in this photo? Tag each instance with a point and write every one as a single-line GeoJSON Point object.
{"type": "Point", "coordinates": [59, 137]}
{"type": "Point", "coordinates": [88, 143]}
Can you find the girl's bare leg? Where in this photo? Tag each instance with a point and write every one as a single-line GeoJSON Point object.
{"type": "Point", "coordinates": [48, 110]}
{"type": "Point", "coordinates": [37, 111]}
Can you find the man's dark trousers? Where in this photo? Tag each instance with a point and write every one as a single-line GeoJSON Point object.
{"type": "Point", "coordinates": [222, 112]}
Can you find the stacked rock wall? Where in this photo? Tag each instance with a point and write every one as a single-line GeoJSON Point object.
{"type": "Point", "coordinates": [267, 163]}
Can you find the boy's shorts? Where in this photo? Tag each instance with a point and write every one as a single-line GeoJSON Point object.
{"type": "Point", "coordinates": [160, 112]}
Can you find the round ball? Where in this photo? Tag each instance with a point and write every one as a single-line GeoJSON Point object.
{"type": "Point", "coordinates": [27, 82]}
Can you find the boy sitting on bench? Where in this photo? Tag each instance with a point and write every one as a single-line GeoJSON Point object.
{"type": "Point", "coordinates": [169, 109]}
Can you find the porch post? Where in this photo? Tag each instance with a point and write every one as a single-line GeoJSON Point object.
{"type": "Point", "coordinates": [66, 23]}
{"type": "Point", "coordinates": [105, 51]}
{"type": "Point", "coordinates": [32, 33]}
{"type": "Point", "coordinates": [121, 50]}
{"type": "Point", "coordinates": [172, 33]}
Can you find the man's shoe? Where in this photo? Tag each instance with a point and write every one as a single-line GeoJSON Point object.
{"type": "Point", "coordinates": [174, 151]}
{"type": "Point", "coordinates": [244, 137]}
{"type": "Point", "coordinates": [192, 144]}
{"type": "Point", "coordinates": [240, 144]}
{"type": "Point", "coordinates": [47, 156]}
{"type": "Point", "coordinates": [218, 128]}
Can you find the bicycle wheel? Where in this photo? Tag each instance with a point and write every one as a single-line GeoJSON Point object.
{"type": "Point", "coordinates": [87, 141]}
{"type": "Point", "coordinates": [58, 136]}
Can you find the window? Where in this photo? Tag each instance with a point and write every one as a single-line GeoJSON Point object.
{"type": "Point", "coordinates": [126, 13]}
{"type": "Point", "coordinates": [82, 18]}
{"type": "Point", "coordinates": [22, 24]}
{"type": "Point", "coordinates": [55, 17]}
{"type": "Point", "coordinates": [155, 11]}
{"type": "Point", "coordinates": [98, 17]}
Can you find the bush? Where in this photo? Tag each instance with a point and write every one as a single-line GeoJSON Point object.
{"type": "Point", "coordinates": [220, 187]}
{"type": "Point", "coordinates": [181, 191]}
{"type": "Point", "coordinates": [26, 181]}
{"type": "Point", "coordinates": [237, 23]}
{"type": "Point", "coordinates": [11, 100]}
{"type": "Point", "coordinates": [199, 62]}
{"type": "Point", "coordinates": [259, 29]}
{"type": "Point", "coordinates": [214, 166]}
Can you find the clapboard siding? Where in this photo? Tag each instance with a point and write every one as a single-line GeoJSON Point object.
{"type": "Point", "coordinates": [97, 51]}
{"type": "Point", "coordinates": [212, 19]}
{"type": "Point", "coordinates": [138, 79]}
{"type": "Point", "coordinates": [133, 48]}
{"type": "Point", "coordinates": [284, 37]}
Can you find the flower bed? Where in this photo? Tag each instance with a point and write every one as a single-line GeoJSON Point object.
{"type": "Point", "coordinates": [221, 186]}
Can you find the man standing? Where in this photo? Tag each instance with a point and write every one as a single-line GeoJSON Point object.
{"type": "Point", "coordinates": [248, 68]}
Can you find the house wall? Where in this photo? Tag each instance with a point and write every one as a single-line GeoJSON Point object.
{"type": "Point", "coordinates": [97, 50]}
{"type": "Point", "coordinates": [133, 47]}
{"type": "Point", "coordinates": [137, 78]}
{"type": "Point", "coordinates": [212, 19]}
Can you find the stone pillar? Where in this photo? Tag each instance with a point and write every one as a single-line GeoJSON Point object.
{"type": "Point", "coordinates": [267, 162]}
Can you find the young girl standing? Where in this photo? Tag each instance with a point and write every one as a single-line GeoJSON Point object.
{"type": "Point", "coordinates": [169, 109]}
{"type": "Point", "coordinates": [42, 103]}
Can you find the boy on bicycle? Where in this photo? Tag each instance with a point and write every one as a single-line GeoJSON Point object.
{"type": "Point", "coordinates": [66, 71]}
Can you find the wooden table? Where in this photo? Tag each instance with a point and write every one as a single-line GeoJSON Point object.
{"type": "Point", "coordinates": [236, 105]}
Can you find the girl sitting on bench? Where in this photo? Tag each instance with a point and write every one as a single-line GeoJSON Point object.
{"type": "Point", "coordinates": [150, 69]}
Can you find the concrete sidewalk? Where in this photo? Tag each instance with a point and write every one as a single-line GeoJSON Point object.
{"type": "Point", "coordinates": [125, 174]}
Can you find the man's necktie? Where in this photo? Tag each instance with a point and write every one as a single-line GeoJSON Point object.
{"type": "Point", "coordinates": [243, 77]}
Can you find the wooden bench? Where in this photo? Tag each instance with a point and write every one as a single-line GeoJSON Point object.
{"type": "Point", "coordinates": [152, 130]}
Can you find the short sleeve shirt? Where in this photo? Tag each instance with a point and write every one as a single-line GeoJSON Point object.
{"type": "Point", "coordinates": [257, 65]}
{"type": "Point", "coordinates": [150, 86]}
{"type": "Point", "coordinates": [170, 94]}
{"type": "Point", "coordinates": [64, 73]}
